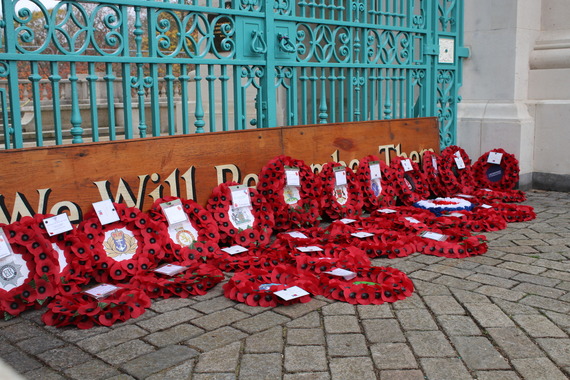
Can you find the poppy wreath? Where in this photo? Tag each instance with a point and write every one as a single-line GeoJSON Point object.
{"type": "Point", "coordinates": [390, 244]}
{"type": "Point", "coordinates": [27, 277]}
{"type": "Point", "coordinates": [375, 196]}
{"type": "Point", "coordinates": [340, 203]}
{"type": "Point", "coordinates": [314, 235]}
{"type": "Point", "coordinates": [338, 231]}
{"type": "Point", "coordinates": [453, 179]}
{"type": "Point", "coordinates": [512, 213]}
{"type": "Point", "coordinates": [120, 249]}
{"type": "Point", "coordinates": [503, 176]}
{"type": "Point", "coordinates": [459, 244]}
{"type": "Point", "coordinates": [84, 311]}
{"type": "Point", "coordinates": [219, 205]}
{"type": "Point", "coordinates": [304, 212]}
{"type": "Point", "coordinates": [509, 196]}
{"type": "Point", "coordinates": [332, 256]}
{"type": "Point", "coordinates": [72, 255]}
{"type": "Point", "coordinates": [256, 287]}
{"type": "Point", "coordinates": [195, 280]}
{"type": "Point", "coordinates": [254, 257]}
{"type": "Point", "coordinates": [430, 168]}
{"type": "Point", "coordinates": [440, 205]}
{"type": "Point", "coordinates": [410, 186]}
{"type": "Point", "coordinates": [371, 286]}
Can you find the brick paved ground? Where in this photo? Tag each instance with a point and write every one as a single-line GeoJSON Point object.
{"type": "Point", "coordinates": [504, 315]}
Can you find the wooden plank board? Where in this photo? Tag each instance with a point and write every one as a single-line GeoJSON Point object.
{"type": "Point", "coordinates": [136, 172]}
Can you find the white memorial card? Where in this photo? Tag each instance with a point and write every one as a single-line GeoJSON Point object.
{"type": "Point", "coordinates": [434, 163]}
{"type": "Point", "coordinates": [170, 269]}
{"type": "Point", "coordinates": [459, 160]}
{"type": "Point", "coordinates": [57, 224]}
{"type": "Point", "coordinates": [234, 249]}
{"type": "Point", "coordinates": [340, 175]}
{"type": "Point", "coordinates": [297, 234]}
{"type": "Point", "coordinates": [240, 196]}
{"type": "Point", "coordinates": [106, 212]}
{"type": "Point", "coordinates": [433, 235]}
{"type": "Point", "coordinates": [347, 220]}
{"type": "Point", "coordinates": [5, 248]}
{"type": "Point", "coordinates": [495, 158]}
{"type": "Point", "coordinates": [174, 212]}
{"type": "Point", "coordinates": [362, 234]}
{"type": "Point", "coordinates": [291, 293]}
{"type": "Point", "coordinates": [310, 248]}
{"type": "Point", "coordinates": [101, 291]}
{"type": "Point", "coordinates": [412, 220]}
{"type": "Point", "coordinates": [386, 210]}
{"type": "Point", "coordinates": [346, 274]}
{"type": "Point", "coordinates": [407, 165]}
{"type": "Point", "coordinates": [375, 172]}
{"type": "Point", "coordinates": [292, 176]}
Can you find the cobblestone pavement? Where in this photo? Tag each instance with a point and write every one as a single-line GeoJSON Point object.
{"type": "Point", "coordinates": [504, 315]}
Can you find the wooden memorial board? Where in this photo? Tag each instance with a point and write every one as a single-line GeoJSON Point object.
{"type": "Point", "coordinates": [136, 172]}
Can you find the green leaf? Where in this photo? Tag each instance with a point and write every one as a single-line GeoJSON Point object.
{"type": "Point", "coordinates": [7, 316]}
{"type": "Point", "coordinates": [102, 305]}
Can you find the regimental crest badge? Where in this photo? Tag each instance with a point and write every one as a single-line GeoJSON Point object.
{"type": "Point", "coordinates": [10, 274]}
{"type": "Point", "coordinates": [120, 245]}
{"type": "Point", "coordinates": [184, 237]}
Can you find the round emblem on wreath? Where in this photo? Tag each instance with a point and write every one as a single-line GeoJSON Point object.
{"type": "Point", "coordinates": [494, 173]}
{"type": "Point", "coordinates": [185, 238]}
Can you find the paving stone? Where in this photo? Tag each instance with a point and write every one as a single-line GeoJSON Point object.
{"type": "Point", "coordinates": [305, 358]}
{"type": "Point", "coordinates": [181, 371]}
{"type": "Point", "coordinates": [495, 291]}
{"type": "Point", "coordinates": [251, 310]}
{"type": "Point", "coordinates": [561, 320]}
{"type": "Point", "coordinates": [219, 319]}
{"type": "Point", "coordinates": [73, 334]}
{"type": "Point", "coordinates": [545, 291]}
{"type": "Point", "coordinates": [307, 376]}
{"type": "Point", "coordinates": [454, 325]}
{"type": "Point", "coordinates": [213, 305]}
{"type": "Point", "coordinates": [495, 271]}
{"type": "Point", "coordinates": [450, 271]}
{"type": "Point", "coordinates": [557, 349]}
{"type": "Point", "coordinates": [305, 337]}
{"type": "Point", "coordinates": [444, 369]}
{"type": "Point", "coordinates": [39, 344]}
{"type": "Point", "coordinates": [64, 357]}
{"type": "Point", "coordinates": [20, 361]}
{"type": "Point", "coordinates": [261, 322]}
{"type": "Point", "coordinates": [383, 330]}
{"type": "Point", "coordinates": [425, 275]}
{"type": "Point", "coordinates": [547, 303]}
{"type": "Point", "coordinates": [478, 353]}
{"type": "Point", "coordinates": [514, 308]}
{"type": "Point", "coordinates": [464, 296]}
{"type": "Point", "coordinates": [169, 304]}
{"type": "Point", "coordinates": [538, 326]}
{"type": "Point", "coordinates": [558, 275]}
{"type": "Point", "coordinates": [352, 368]}
{"type": "Point", "coordinates": [260, 366]}
{"type": "Point", "coordinates": [156, 361]}
{"type": "Point", "coordinates": [267, 341]}
{"type": "Point", "coordinates": [558, 266]}
{"type": "Point", "coordinates": [514, 343]}
{"type": "Point", "coordinates": [409, 374]}
{"type": "Point", "coordinates": [125, 352]}
{"type": "Point", "coordinates": [169, 319]}
{"type": "Point", "coordinates": [214, 376]}
{"type": "Point", "coordinates": [339, 308]}
{"type": "Point", "coordinates": [341, 324]}
{"type": "Point", "coordinates": [224, 359]}
{"type": "Point", "coordinates": [456, 283]}
{"type": "Point", "coordinates": [492, 280]}
{"type": "Point", "coordinates": [496, 375]}
{"type": "Point", "coordinates": [216, 338]}
{"type": "Point", "coordinates": [310, 320]}
{"type": "Point", "coordinates": [91, 370]}
{"type": "Point", "coordinates": [430, 344]}
{"type": "Point", "coordinates": [413, 302]}
{"type": "Point", "coordinates": [564, 285]}
{"type": "Point", "coordinates": [489, 315]}
{"type": "Point", "coordinates": [538, 369]}
{"type": "Point", "coordinates": [174, 335]}
{"type": "Point", "coordinates": [517, 249]}
{"type": "Point", "coordinates": [375, 311]}
{"type": "Point", "coordinates": [299, 309]}
{"type": "Point", "coordinates": [112, 338]}
{"type": "Point", "coordinates": [443, 305]}
{"type": "Point", "coordinates": [21, 331]}
{"type": "Point", "coordinates": [393, 356]}
{"type": "Point", "coordinates": [485, 260]}
{"type": "Point", "coordinates": [346, 345]}
{"type": "Point", "coordinates": [42, 373]}
{"type": "Point", "coordinates": [416, 319]}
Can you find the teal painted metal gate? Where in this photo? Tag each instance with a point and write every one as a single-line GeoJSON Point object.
{"type": "Point", "coordinates": [87, 71]}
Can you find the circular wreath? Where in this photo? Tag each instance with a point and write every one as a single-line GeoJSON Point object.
{"type": "Point", "coordinates": [374, 285]}
{"type": "Point", "coordinates": [440, 205]}
{"type": "Point", "coordinates": [120, 249]}
{"type": "Point", "coordinates": [410, 186]}
{"type": "Point", "coordinates": [196, 241]}
{"type": "Point", "coordinates": [455, 180]}
{"type": "Point", "coordinates": [27, 277]}
{"type": "Point", "coordinates": [84, 311]}
{"type": "Point", "coordinates": [292, 206]}
{"type": "Point", "coordinates": [503, 176]}
{"type": "Point", "coordinates": [430, 168]}
{"type": "Point", "coordinates": [313, 235]}
{"type": "Point", "coordinates": [254, 257]}
{"type": "Point", "coordinates": [195, 280]}
{"type": "Point", "coordinates": [219, 205]}
{"type": "Point", "coordinates": [257, 287]}
{"type": "Point", "coordinates": [74, 265]}
{"type": "Point", "coordinates": [332, 256]}
{"type": "Point", "coordinates": [459, 244]}
{"type": "Point", "coordinates": [388, 244]}
{"type": "Point", "coordinates": [378, 192]}
{"type": "Point", "coordinates": [343, 201]}
{"type": "Point", "coordinates": [512, 213]}
{"type": "Point", "coordinates": [488, 195]}
{"type": "Point", "coordinates": [481, 220]}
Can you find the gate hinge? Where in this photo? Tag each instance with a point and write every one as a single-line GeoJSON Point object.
{"type": "Point", "coordinates": [463, 52]}
{"type": "Point", "coordinates": [431, 50]}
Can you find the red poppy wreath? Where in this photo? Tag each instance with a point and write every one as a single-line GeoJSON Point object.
{"type": "Point", "coordinates": [27, 268]}
{"type": "Point", "coordinates": [254, 257]}
{"type": "Point", "coordinates": [120, 249]}
{"type": "Point", "coordinates": [242, 214]}
{"type": "Point", "coordinates": [191, 231]}
{"type": "Point", "coordinates": [258, 287]}
{"type": "Point", "coordinates": [455, 171]}
{"type": "Point", "coordinates": [408, 181]}
{"type": "Point", "coordinates": [497, 170]}
{"type": "Point", "coordinates": [340, 192]}
{"type": "Point", "coordinates": [430, 168]}
{"type": "Point", "coordinates": [290, 188]}
{"type": "Point", "coordinates": [374, 177]}
{"type": "Point", "coordinates": [85, 311]}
